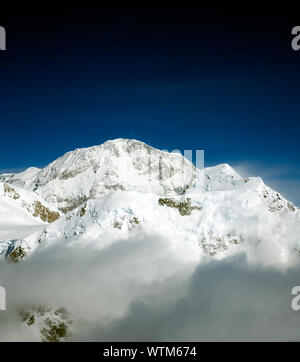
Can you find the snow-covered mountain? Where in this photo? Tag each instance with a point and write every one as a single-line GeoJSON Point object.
{"type": "Point", "coordinates": [125, 186]}
{"type": "Point", "coordinates": [93, 200]}
{"type": "Point", "coordinates": [126, 165]}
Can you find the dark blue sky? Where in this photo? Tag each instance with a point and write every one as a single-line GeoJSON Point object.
{"type": "Point", "coordinates": [223, 80]}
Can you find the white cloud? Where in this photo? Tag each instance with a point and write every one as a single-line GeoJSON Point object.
{"type": "Point", "coordinates": [140, 289]}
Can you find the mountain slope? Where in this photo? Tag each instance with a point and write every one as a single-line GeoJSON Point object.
{"type": "Point", "coordinates": [22, 213]}
{"type": "Point", "coordinates": [217, 224]}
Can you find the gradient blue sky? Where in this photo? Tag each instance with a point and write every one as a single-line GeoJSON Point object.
{"type": "Point", "coordinates": [222, 80]}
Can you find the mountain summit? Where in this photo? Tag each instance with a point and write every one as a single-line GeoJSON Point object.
{"type": "Point", "coordinates": [94, 172]}
{"type": "Point", "coordinates": [121, 164]}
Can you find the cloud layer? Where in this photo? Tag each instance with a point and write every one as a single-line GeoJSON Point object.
{"type": "Point", "coordinates": [143, 289]}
